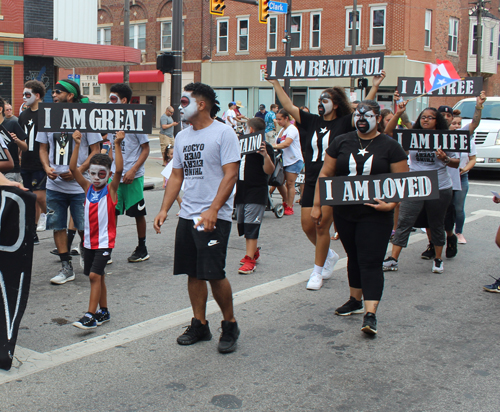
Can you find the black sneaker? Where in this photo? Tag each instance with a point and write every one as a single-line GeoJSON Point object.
{"type": "Point", "coordinates": [87, 322]}
{"type": "Point", "coordinates": [429, 253]}
{"type": "Point", "coordinates": [350, 307]}
{"type": "Point", "coordinates": [36, 241]}
{"type": "Point", "coordinates": [451, 246]}
{"type": "Point", "coordinates": [228, 337]}
{"type": "Point", "coordinates": [194, 333]}
{"type": "Point", "coordinates": [369, 324]}
{"type": "Point", "coordinates": [140, 255]}
{"type": "Point", "coordinates": [54, 251]}
{"type": "Point", "coordinates": [494, 287]}
{"type": "Point", "coordinates": [102, 316]}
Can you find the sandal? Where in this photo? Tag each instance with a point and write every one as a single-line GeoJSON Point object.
{"type": "Point", "coordinates": [335, 236]}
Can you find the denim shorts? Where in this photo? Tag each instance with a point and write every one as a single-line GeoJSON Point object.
{"type": "Point", "coordinates": [57, 209]}
{"type": "Point", "coordinates": [295, 167]}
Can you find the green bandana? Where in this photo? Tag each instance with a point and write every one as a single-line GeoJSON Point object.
{"type": "Point", "coordinates": [68, 87]}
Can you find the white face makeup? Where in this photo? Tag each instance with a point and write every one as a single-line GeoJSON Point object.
{"type": "Point", "coordinates": [28, 97]}
{"type": "Point", "coordinates": [325, 106]}
{"type": "Point", "coordinates": [114, 98]}
{"type": "Point", "coordinates": [98, 175]}
{"type": "Point", "coordinates": [365, 119]}
{"type": "Point", "coordinates": [188, 107]}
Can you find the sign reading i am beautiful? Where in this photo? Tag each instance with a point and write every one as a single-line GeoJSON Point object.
{"type": "Point", "coordinates": [95, 117]}
{"type": "Point", "coordinates": [390, 187]}
{"type": "Point", "coordinates": [447, 140]}
{"type": "Point", "coordinates": [414, 86]}
{"type": "Point", "coordinates": [250, 143]}
{"type": "Point", "coordinates": [306, 67]}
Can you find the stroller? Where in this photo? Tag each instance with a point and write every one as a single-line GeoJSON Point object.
{"type": "Point", "coordinates": [276, 179]}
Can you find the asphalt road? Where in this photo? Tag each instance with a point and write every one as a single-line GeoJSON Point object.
{"type": "Point", "coordinates": [435, 351]}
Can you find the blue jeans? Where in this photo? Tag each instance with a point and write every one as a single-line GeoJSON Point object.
{"type": "Point", "coordinates": [57, 210]}
{"type": "Point", "coordinates": [460, 203]}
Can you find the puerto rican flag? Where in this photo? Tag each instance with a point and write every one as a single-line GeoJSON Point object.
{"type": "Point", "coordinates": [439, 75]}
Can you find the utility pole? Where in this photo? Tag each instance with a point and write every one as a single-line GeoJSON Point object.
{"type": "Point", "coordinates": [354, 37]}
{"type": "Point", "coordinates": [176, 75]}
{"type": "Point", "coordinates": [479, 34]}
{"type": "Point", "coordinates": [126, 38]}
{"type": "Point", "coordinates": [288, 44]}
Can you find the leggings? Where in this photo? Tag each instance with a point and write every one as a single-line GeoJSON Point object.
{"type": "Point", "coordinates": [365, 244]}
{"type": "Point", "coordinates": [460, 203]}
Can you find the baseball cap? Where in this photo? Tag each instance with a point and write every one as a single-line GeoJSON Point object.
{"type": "Point", "coordinates": [445, 109]}
{"type": "Point", "coordinates": [262, 107]}
{"type": "Point", "coordinates": [238, 103]}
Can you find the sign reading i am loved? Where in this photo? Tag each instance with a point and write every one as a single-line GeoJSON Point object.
{"type": "Point", "coordinates": [250, 143]}
{"type": "Point", "coordinates": [306, 67]}
{"type": "Point", "coordinates": [390, 187]}
{"type": "Point", "coordinates": [95, 117]}
{"type": "Point", "coordinates": [414, 86]}
{"type": "Point", "coordinates": [421, 139]}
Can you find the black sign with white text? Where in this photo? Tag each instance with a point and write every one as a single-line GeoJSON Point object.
{"type": "Point", "coordinates": [452, 140]}
{"type": "Point", "coordinates": [5, 135]}
{"type": "Point", "coordinates": [414, 86]}
{"type": "Point", "coordinates": [95, 117]}
{"type": "Point", "coordinates": [307, 67]}
{"type": "Point", "coordinates": [390, 187]}
{"type": "Point", "coordinates": [250, 143]}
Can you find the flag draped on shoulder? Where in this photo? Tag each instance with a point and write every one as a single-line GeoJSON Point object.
{"type": "Point", "coordinates": [439, 75]}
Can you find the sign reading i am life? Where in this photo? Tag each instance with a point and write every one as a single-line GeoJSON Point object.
{"type": "Point", "coordinates": [452, 140]}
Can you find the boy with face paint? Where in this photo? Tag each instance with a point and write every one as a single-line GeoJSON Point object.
{"type": "Point", "coordinates": [100, 226]}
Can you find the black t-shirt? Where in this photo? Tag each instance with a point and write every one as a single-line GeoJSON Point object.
{"type": "Point", "coordinates": [13, 127]}
{"type": "Point", "coordinates": [253, 187]}
{"type": "Point", "coordinates": [30, 159]}
{"type": "Point", "coordinates": [381, 153]}
{"type": "Point", "coordinates": [319, 135]}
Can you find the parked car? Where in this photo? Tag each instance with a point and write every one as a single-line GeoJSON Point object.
{"type": "Point", "coordinates": [487, 134]}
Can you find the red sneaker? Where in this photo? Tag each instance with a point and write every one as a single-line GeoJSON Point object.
{"type": "Point", "coordinates": [245, 260]}
{"type": "Point", "coordinates": [288, 211]}
{"type": "Point", "coordinates": [257, 254]}
{"type": "Point", "coordinates": [248, 266]}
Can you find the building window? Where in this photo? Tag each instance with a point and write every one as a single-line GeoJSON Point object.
{"type": "Point", "coordinates": [428, 22]}
{"type": "Point", "coordinates": [296, 32]}
{"type": "Point", "coordinates": [222, 31]}
{"type": "Point", "coordinates": [315, 31]}
{"type": "Point", "coordinates": [97, 90]}
{"type": "Point", "coordinates": [242, 35]}
{"type": "Point", "coordinates": [498, 51]}
{"type": "Point", "coordinates": [474, 39]}
{"type": "Point", "coordinates": [104, 35]}
{"type": "Point", "coordinates": [492, 33]}
{"type": "Point", "coordinates": [137, 33]}
{"type": "Point", "coordinates": [166, 35]}
{"type": "Point", "coordinates": [453, 35]}
{"type": "Point", "coordinates": [348, 25]}
{"type": "Point", "coordinates": [272, 29]}
{"type": "Point", "coordinates": [377, 26]}
{"type": "Point", "coordinates": [86, 90]}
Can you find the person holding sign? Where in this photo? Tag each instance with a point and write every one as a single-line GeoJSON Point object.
{"type": "Point", "coordinates": [289, 141]}
{"type": "Point", "coordinates": [421, 160]}
{"type": "Point", "coordinates": [334, 119]}
{"type": "Point", "coordinates": [364, 230]}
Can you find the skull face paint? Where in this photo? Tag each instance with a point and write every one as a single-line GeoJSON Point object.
{"type": "Point", "coordinates": [114, 98]}
{"type": "Point", "coordinates": [325, 106]}
{"type": "Point", "coordinates": [98, 175]}
{"type": "Point", "coordinates": [28, 97]}
{"type": "Point", "coordinates": [365, 119]}
{"type": "Point", "coordinates": [188, 107]}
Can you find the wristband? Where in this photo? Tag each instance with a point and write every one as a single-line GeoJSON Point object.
{"type": "Point", "coordinates": [447, 160]}
{"type": "Point", "coordinates": [479, 107]}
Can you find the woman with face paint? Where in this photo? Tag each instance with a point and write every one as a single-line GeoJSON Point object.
{"type": "Point", "coordinates": [364, 230]}
{"type": "Point", "coordinates": [334, 119]}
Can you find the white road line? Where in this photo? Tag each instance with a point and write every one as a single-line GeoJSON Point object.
{"type": "Point", "coordinates": [485, 196]}
{"type": "Point", "coordinates": [483, 184]}
{"type": "Point", "coordinates": [30, 362]}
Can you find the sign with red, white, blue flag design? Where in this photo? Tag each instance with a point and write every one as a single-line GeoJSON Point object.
{"type": "Point", "coordinates": [439, 75]}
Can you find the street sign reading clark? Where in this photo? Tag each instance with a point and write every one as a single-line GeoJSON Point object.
{"type": "Point", "coordinates": [277, 6]}
{"type": "Point", "coordinates": [95, 117]}
{"type": "Point", "coordinates": [306, 67]}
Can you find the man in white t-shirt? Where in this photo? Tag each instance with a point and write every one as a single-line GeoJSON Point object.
{"type": "Point", "coordinates": [231, 115]}
{"type": "Point", "coordinates": [206, 159]}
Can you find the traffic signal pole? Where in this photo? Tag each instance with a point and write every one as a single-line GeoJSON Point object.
{"type": "Point", "coordinates": [288, 44]}
{"type": "Point", "coordinates": [176, 75]}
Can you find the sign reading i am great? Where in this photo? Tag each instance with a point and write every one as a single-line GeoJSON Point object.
{"type": "Point", "coordinates": [95, 117]}
{"type": "Point", "coordinates": [305, 67]}
{"type": "Point", "coordinates": [452, 140]}
{"type": "Point", "coordinates": [390, 187]}
{"type": "Point", "coordinates": [414, 86]}
{"type": "Point", "coordinates": [250, 143]}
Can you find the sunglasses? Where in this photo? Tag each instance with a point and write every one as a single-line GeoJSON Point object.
{"type": "Point", "coordinates": [27, 94]}
{"type": "Point", "coordinates": [57, 91]}
{"type": "Point", "coordinates": [8, 110]}
{"type": "Point", "coordinates": [427, 118]}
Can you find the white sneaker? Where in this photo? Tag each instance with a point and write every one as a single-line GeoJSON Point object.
{"type": "Point", "coordinates": [315, 281]}
{"type": "Point", "coordinates": [42, 223]}
{"type": "Point", "coordinates": [66, 274]}
{"type": "Point", "coordinates": [437, 266]}
{"type": "Point", "coordinates": [330, 263]}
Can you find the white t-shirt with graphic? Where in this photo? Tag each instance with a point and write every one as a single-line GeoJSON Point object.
{"type": "Point", "coordinates": [292, 153]}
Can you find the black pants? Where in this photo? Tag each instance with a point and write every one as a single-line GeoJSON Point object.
{"type": "Point", "coordinates": [365, 244]}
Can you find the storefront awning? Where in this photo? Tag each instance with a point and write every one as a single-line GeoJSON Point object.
{"type": "Point", "coordinates": [68, 55]}
{"type": "Point", "coordinates": [136, 76]}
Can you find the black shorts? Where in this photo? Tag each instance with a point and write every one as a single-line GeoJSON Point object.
{"type": "Point", "coordinates": [95, 260]}
{"type": "Point", "coordinates": [308, 195]}
{"type": "Point", "coordinates": [34, 180]}
{"type": "Point", "coordinates": [201, 254]}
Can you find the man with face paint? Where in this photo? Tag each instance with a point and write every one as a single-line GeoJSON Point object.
{"type": "Point", "coordinates": [333, 119]}
{"type": "Point", "coordinates": [206, 158]}
{"type": "Point", "coordinates": [100, 226]}
{"type": "Point", "coordinates": [32, 172]}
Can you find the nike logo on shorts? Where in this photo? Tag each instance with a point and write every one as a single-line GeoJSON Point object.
{"type": "Point", "coordinates": [213, 242]}
{"type": "Point", "coordinates": [141, 207]}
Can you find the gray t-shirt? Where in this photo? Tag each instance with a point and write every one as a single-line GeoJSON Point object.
{"type": "Point", "coordinates": [131, 150]}
{"type": "Point", "coordinates": [61, 147]}
{"type": "Point", "coordinates": [423, 160]}
{"type": "Point", "coordinates": [201, 154]}
{"type": "Point", "coordinates": [164, 119]}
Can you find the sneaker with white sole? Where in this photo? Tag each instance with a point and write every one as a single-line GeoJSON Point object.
{"type": "Point", "coordinates": [461, 239]}
{"type": "Point", "coordinates": [42, 223]}
{"type": "Point", "coordinates": [330, 263]}
{"type": "Point", "coordinates": [315, 281]}
{"type": "Point", "coordinates": [86, 322]}
{"type": "Point", "coordinates": [350, 307]}
{"type": "Point", "coordinates": [66, 274]}
{"type": "Point", "coordinates": [390, 264]}
{"type": "Point", "coordinates": [102, 316]}
{"type": "Point", "coordinates": [437, 266]}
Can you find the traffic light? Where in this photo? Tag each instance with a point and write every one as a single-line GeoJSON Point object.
{"type": "Point", "coordinates": [362, 83]}
{"type": "Point", "coordinates": [165, 62]}
{"type": "Point", "coordinates": [217, 7]}
{"type": "Point", "coordinates": [263, 11]}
